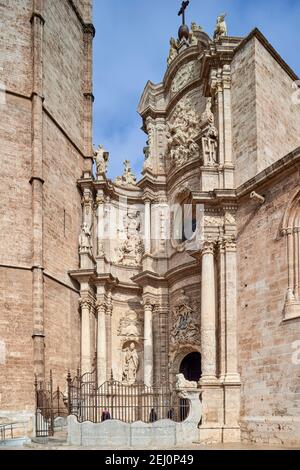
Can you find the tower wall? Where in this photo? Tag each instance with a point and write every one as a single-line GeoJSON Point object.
{"type": "Point", "coordinates": [46, 57]}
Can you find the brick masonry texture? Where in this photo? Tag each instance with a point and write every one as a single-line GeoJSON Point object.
{"type": "Point", "coordinates": [63, 78]}
{"type": "Point", "coordinates": [270, 380]}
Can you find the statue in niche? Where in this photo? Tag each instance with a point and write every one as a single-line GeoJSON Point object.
{"type": "Point", "coordinates": [221, 27]}
{"type": "Point", "coordinates": [209, 135]}
{"type": "Point", "coordinates": [85, 243]}
{"type": "Point", "coordinates": [131, 365]}
{"type": "Point", "coordinates": [101, 159]}
{"type": "Point", "coordinates": [173, 50]}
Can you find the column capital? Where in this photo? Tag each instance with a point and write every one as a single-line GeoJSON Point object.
{"type": "Point", "coordinates": [148, 304]}
{"type": "Point", "coordinates": [208, 247]}
{"type": "Point", "coordinates": [100, 306]}
{"type": "Point", "coordinates": [85, 302]}
{"type": "Point", "coordinates": [148, 197]}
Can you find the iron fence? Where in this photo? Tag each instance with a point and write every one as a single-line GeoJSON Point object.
{"type": "Point", "coordinates": [49, 406]}
{"type": "Point", "coordinates": [127, 403]}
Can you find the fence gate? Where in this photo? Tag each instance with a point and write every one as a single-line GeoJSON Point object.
{"type": "Point", "coordinates": [49, 405]}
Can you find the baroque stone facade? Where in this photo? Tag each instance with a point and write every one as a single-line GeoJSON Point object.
{"type": "Point", "coordinates": [192, 270]}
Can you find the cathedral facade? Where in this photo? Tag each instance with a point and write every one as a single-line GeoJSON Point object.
{"type": "Point", "coordinates": [195, 268]}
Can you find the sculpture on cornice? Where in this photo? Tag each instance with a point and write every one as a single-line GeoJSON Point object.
{"type": "Point", "coordinates": [131, 365]}
{"type": "Point", "coordinates": [85, 243]}
{"type": "Point", "coordinates": [193, 34]}
{"type": "Point", "coordinates": [181, 134]}
{"type": "Point", "coordinates": [173, 50]}
{"type": "Point", "coordinates": [185, 328]}
{"type": "Point", "coordinates": [128, 178]}
{"type": "Point", "coordinates": [221, 27]}
{"type": "Point", "coordinates": [101, 158]}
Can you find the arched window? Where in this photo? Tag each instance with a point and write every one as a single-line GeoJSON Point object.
{"type": "Point", "coordinates": [185, 220]}
{"type": "Point", "coordinates": [291, 230]}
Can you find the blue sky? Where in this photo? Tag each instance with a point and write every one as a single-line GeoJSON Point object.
{"type": "Point", "coordinates": [132, 44]}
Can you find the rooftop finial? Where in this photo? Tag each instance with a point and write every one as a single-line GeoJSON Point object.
{"type": "Point", "coordinates": [184, 6]}
{"type": "Point", "coordinates": [183, 30]}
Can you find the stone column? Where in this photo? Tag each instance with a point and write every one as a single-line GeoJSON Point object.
{"type": "Point", "coordinates": [147, 203]}
{"type": "Point", "coordinates": [101, 342]}
{"type": "Point", "coordinates": [148, 343]}
{"type": "Point", "coordinates": [208, 314]}
{"type": "Point", "coordinates": [86, 359]}
{"type": "Point", "coordinates": [290, 247]}
{"type": "Point", "coordinates": [231, 313]}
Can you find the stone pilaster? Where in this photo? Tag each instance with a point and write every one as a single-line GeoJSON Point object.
{"type": "Point", "coordinates": [100, 200]}
{"type": "Point", "coordinates": [148, 343]}
{"type": "Point", "coordinates": [86, 356]}
{"type": "Point", "coordinates": [208, 314]}
{"type": "Point", "coordinates": [88, 36]}
{"type": "Point", "coordinates": [37, 183]}
{"type": "Point", "coordinates": [147, 203]}
{"type": "Point", "coordinates": [101, 342]}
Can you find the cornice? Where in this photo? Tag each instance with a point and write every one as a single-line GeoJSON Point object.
{"type": "Point", "coordinates": [277, 169]}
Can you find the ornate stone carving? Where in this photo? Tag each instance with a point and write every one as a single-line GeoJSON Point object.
{"type": "Point", "coordinates": [181, 382]}
{"type": "Point", "coordinates": [173, 50]}
{"type": "Point", "coordinates": [128, 178]}
{"type": "Point", "coordinates": [181, 134]}
{"type": "Point", "coordinates": [132, 249]}
{"type": "Point", "coordinates": [101, 159]}
{"type": "Point", "coordinates": [85, 239]}
{"type": "Point", "coordinates": [131, 365]}
{"type": "Point", "coordinates": [221, 27]}
{"type": "Point", "coordinates": [185, 317]}
{"type": "Point", "coordinates": [184, 75]}
{"type": "Point", "coordinates": [130, 326]}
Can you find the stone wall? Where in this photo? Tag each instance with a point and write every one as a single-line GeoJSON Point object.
{"type": "Point", "coordinates": [63, 143]}
{"type": "Point", "coordinates": [266, 121]}
{"type": "Point", "coordinates": [270, 380]}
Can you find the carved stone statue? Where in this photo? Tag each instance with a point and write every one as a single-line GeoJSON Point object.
{"type": "Point", "coordinates": [181, 382]}
{"type": "Point", "coordinates": [131, 365]}
{"type": "Point", "coordinates": [193, 34]}
{"type": "Point", "coordinates": [132, 249]}
{"type": "Point", "coordinates": [173, 50]}
{"type": "Point", "coordinates": [209, 135]}
{"type": "Point", "coordinates": [101, 159]}
{"type": "Point", "coordinates": [221, 27]}
{"type": "Point", "coordinates": [128, 178]}
{"type": "Point", "coordinates": [85, 243]}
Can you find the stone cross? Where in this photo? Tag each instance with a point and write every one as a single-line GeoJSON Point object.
{"type": "Point", "coordinates": [182, 10]}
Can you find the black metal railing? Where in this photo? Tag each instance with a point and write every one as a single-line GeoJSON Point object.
{"type": "Point", "coordinates": [127, 403]}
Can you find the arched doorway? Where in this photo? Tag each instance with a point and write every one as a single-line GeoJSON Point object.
{"type": "Point", "coordinates": [190, 366]}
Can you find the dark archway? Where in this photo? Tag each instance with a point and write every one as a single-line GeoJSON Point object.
{"type": "Point", "coordinates": [190, 367]}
